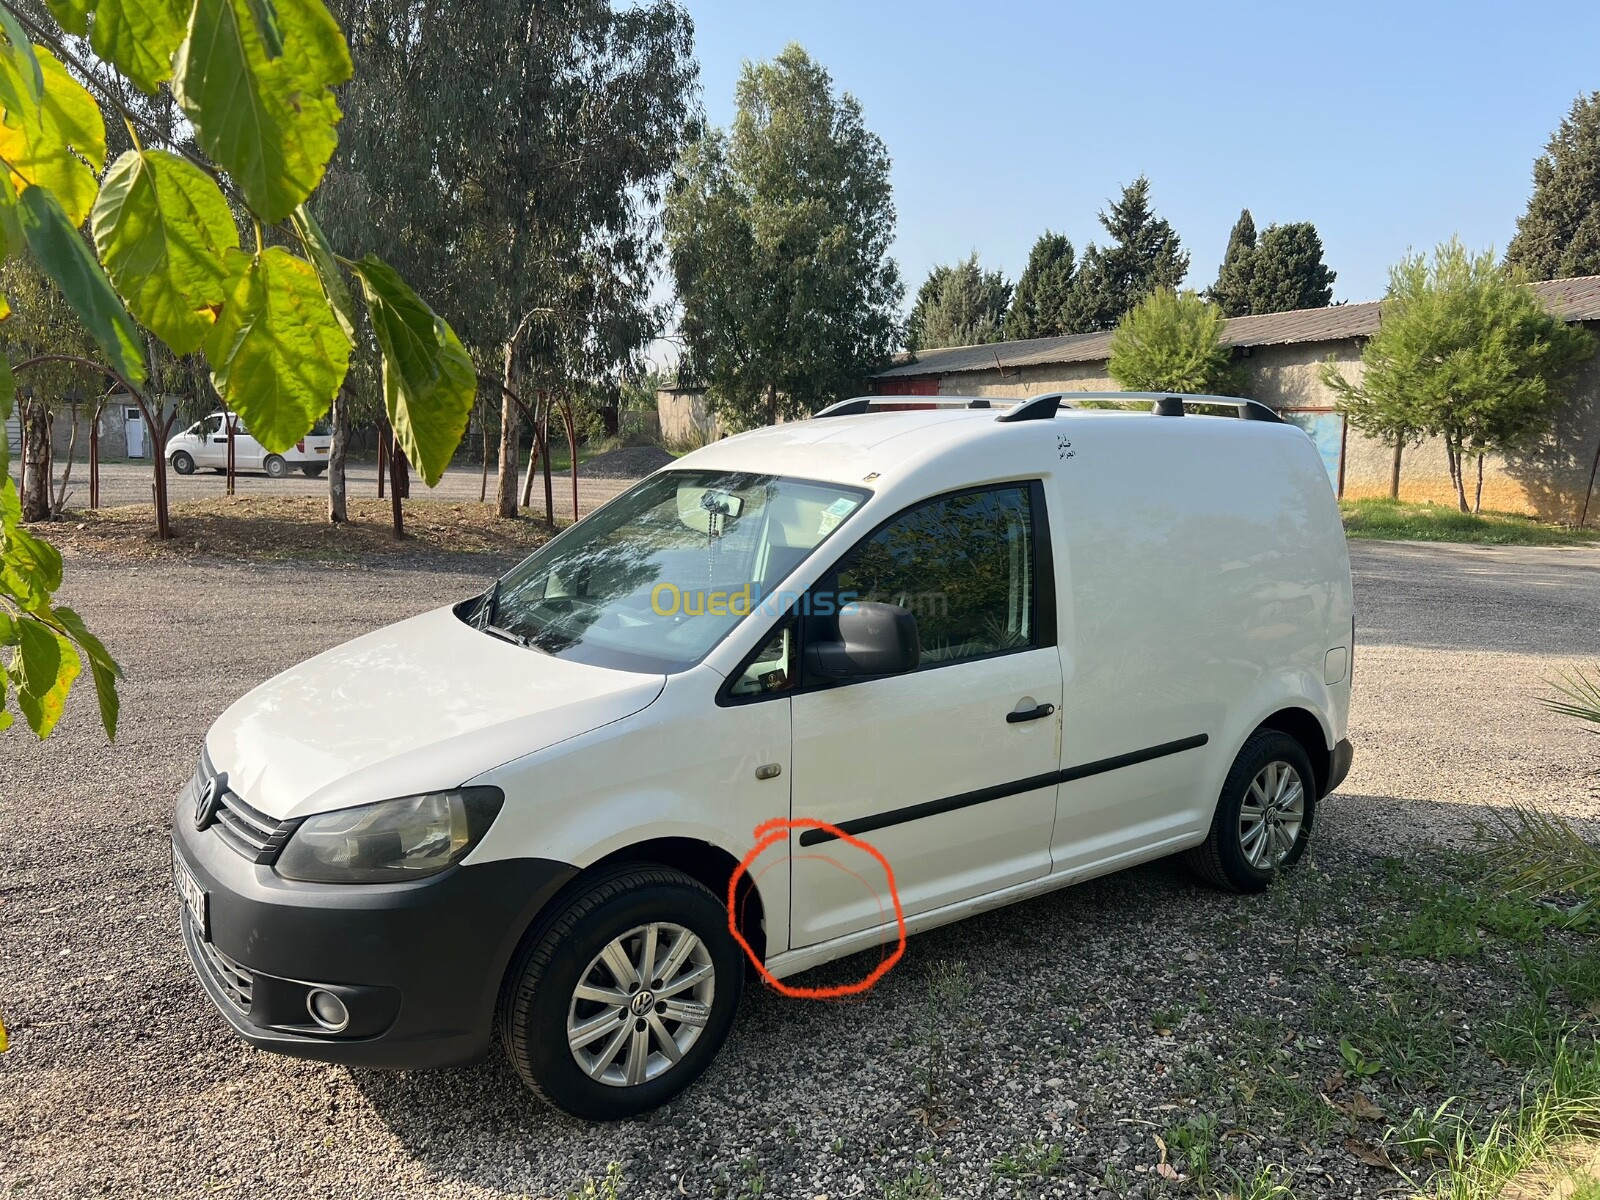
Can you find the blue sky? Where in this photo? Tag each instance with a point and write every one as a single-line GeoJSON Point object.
{"type": "Point", "coordinates": [1389, 125]}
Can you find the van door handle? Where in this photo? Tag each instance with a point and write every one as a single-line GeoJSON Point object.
{"type": "Point", "coordinates": [1017, 716]}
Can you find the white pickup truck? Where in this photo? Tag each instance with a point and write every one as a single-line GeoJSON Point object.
{"type": "Point", "coordinates": [205, 444]}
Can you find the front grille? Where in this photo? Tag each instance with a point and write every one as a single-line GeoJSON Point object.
{"type": "Point", "coordinates": [235, 980]}
{"type": "Point", "coordinates": [248, 832]}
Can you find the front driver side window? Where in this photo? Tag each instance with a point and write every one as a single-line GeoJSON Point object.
{"type": "Point", "coordinates": [962, 564]}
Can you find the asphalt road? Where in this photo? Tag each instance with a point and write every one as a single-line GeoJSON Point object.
{"type": "Point", "coordinates": [121, 1080]}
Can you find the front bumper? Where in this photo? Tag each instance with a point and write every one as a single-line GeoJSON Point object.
{"type": "Point", "coordinates": [418, 965]}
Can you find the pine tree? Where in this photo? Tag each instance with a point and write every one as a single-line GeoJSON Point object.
{"type": "Point", "coordinates": [1559, 234]}
{"type": "Point", "coordinates": [1038, 306]}
{"type": "Point", "coordinates": [966, 307]}
{"type": "Point", "coordinates": [1466, 353]}
{"type": "Point", "coordinates": [1144, 254]}
{"type": "Point", "coordinates": [1287, 271]}
{"type": "Point", "coordinates": [1231, 291]}
{"type": "Point", "coordinates": [1171, 342]}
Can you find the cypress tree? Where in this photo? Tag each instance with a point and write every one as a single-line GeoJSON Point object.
{"type": "Point", "coordinates": [967, 309]}
{"type": "Point", "coordinates": [1559, 234]}
{"type": "Point", "coordinates": [1231, 291]}
{"type": "Point", "coordinates": [1287, 271]}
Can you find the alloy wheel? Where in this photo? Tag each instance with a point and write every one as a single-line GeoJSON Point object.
{"type": "Point", "coordinates": [1272, 814]}
{"type": "Point", "coordinates": [641, 1004]}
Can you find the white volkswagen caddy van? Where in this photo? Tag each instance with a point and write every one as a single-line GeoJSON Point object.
{"type": "Point", "coordinates": [929, 661]}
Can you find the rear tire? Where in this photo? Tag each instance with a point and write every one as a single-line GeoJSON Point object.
{"type": "Point", "coordinates": [637, 1048]}
{"type": "Point", "coordinates": [182, 463]}
{"type": "Point", "coordinates": [275, 467]}
{"type": "Point", "coordinates": [1263, 817]}
{"type": "Point", "coordinates": [311, 470]}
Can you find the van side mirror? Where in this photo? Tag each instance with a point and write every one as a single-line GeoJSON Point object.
{"type": "Point", "coordinates": [874, 639]}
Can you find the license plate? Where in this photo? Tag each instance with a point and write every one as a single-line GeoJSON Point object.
{"type": "Point", "coordinates": [192, 895]}
{"type": "Point", "coordinates": [320, 449]}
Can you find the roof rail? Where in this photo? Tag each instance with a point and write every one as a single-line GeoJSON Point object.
{"type": "Point", "coordinates": [1164, 404]}
{"type": "Point", "coordinates": [861, 404]}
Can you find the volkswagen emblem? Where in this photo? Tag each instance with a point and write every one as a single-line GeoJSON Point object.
{"type": "Point", "coordinates": [209, 800]}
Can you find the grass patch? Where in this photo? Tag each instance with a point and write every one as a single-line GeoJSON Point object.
{"type": "Point", "coordinates": [1395, 520]}
{"type": "Point", "coordinates": [296, 529]}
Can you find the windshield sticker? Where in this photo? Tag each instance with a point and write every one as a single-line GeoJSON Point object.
{"type": "Point", "coordinates": [834, 513]}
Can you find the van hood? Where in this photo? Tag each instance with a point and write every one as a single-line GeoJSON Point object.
{"type": "Point", "coordinates": [419, 706]}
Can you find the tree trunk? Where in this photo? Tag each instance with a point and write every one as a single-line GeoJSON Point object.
{"type": "Point", "coordinates": [510, 438]}
{"type": "Point", "coordinates": [35, 461]}
{"type": "Point", "coordinates": [159, 429]}
{"type": "Point", "coordinates": [94, 455]}
{"type": "Point", "coordinates": [1457, 473]}
{"type": "Point", "coordinates": [533, 472]}
{"type": "Point", "coordinates": [60, 500]}
{"type": "Point", "coordinates": [338, 508]}
{"type": "Point", "coordinates": [772, 404]}
{"type": "Point", "coordinates": [398, 486]}
{"type": "Point", "coordinates": [1477, 499]}
{"type": "Point", "coordinates": [572, 451]}
{"type": "Point", "coordinates": [544, 458]}
{"type": "Point", "coordinates": [383, 456]}
{"type": "Point", "coordinates": [1394, 471]}
{"type": "Point", "coordinates": [1594, 469]}
{"type": "Point", "coordinates": [483, 478]}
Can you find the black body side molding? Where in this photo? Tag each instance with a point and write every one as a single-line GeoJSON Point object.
{"type": "Point", "coordinates": [1000, 791]}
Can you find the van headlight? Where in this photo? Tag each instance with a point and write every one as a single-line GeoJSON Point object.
{"type": "Point", "coordinates": [392, 840]}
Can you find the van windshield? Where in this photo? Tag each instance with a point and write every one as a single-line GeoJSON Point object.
{"type": "Point", "coordinates": [659, 576]}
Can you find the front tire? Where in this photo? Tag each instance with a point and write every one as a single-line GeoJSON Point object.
{"type": "Point", "coordinates": [620, 1000]}
{"type": "Point", "coordinates": [1263, 817]}
{"type": "Point", "coordinates": [275, 467]}
{"type": "Point", "coordinates": [182, 463]}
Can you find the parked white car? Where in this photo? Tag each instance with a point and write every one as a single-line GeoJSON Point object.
{"type": "Point", "coordinates": [1007, 647]}
{"type": "Point", "coordinates": [205, 444]}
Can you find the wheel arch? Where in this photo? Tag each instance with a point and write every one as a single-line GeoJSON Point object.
{"type": "Point", "coordinates": [1303, 726]}
{"type": "Point", "coordinates": [703, 862]}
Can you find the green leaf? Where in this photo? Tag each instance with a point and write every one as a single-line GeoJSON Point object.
{"type": "Point", "coordinates": [45, 666]}
{"type": "Point", "coordinates": [162, 228]}
{"type": "Point", "coordinates": [269, 121]}
{"type": "Point", "coordinates": [139, 37]}
{"type": "Point", "coordinates": [73, 15]}
{"type": "Point", "coordinates": [428, 380]}
{"type": "Point", "coordinates": [61, 144]}
{"type": "Point", "coordinates": [277, 354]}
{"type": "Point", "coordinates": [30, 567]}
{"type": "Point", "coordinates": [102, 668]}
{"type": "Point", "coordinates": [327, 265]}
{"type": "Point", "coordinates": [62, 254]}
{"type": "Point", "coordinates": [21, 80]}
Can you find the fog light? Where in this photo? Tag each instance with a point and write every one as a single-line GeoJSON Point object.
{"type": "Point", "coordinates": [327, 1010]}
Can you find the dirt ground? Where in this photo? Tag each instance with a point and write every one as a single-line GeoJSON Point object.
{"type": "Point", "coordinates": [1076, 1026]}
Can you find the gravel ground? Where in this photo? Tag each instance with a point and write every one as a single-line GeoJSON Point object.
{"type": "Point", "coordinates": [129, 483]}
{"type": "Point", "coordinates": [1030, 1052]}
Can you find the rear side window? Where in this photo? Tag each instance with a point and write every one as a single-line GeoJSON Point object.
{"type": "Point", "coordinates": [963, 564]}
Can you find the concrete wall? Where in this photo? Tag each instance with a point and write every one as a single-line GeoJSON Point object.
{"type": "Point", "coordinates": [1549, 482]}
{"type": "Point", "coordinates": [686, 418]}
{"type": "Point", "coordinates": [113, 430]}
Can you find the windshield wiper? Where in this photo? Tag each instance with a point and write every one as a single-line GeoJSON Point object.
{"type": "Point", "coordinates": [491, 600]}
{"type": "Point", "coordinates": [506, 635]}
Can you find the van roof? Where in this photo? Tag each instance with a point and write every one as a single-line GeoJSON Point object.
{"type": "Point", "coordinates": [878, 434]}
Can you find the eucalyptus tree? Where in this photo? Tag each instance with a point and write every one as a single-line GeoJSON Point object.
{"type": "Point", "coordinates": [779, 231]}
